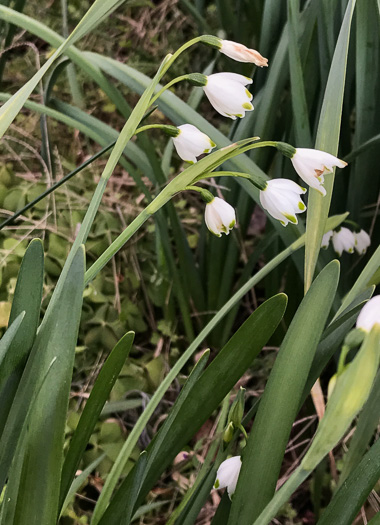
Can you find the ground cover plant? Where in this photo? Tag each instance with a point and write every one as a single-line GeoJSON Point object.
{"type": "Point", "coordinates": [188, 295]}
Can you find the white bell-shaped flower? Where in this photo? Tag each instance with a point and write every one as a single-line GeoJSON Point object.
{"type": "Point", "coordinates": [242, 53]}
{"type": "Point", "coordinates": [326, 239]}
{"type": "Point", "coordinates": [219, 216]}
{"type": "Point", "coordinates": [228, 474]}
{"type": "Point", "coordinates": [312, 164]}
{"type": "Point", "coordinates": [191, 142]}
{"type": "Point", "coordinates": [343, 240]}
{"type": "Point", "coordinates": [281, 198]}
{"type": "Point", "coordinates": [228, 95]}
{"type": "Point", "coordinates": [369, 315]}
{"type": "Point", "coordinates": [362, 241]}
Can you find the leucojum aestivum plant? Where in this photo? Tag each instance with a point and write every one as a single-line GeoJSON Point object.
{"type": "Point", "coordinates": [39, 475]}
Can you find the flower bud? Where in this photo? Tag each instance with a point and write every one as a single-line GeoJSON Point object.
{"type": "Point", "coordinates": [228, 95]}
{"type": "Point", "coordinates": [191, 142]}
{"type": "Point", "coordinates": [228, 433]}
{"type": "Point", "coordinates": [237, 409]}
{"type": "Point", "coordinates": [228, 474]}
{"type": "Point", "coordinates": [219, 216]}
{"type": "Point", "coordinates": [281, 198]}
{"type": "Point", "coordinates": [241, 53]}
{"type": "Point", "coordinates": [312, 164]}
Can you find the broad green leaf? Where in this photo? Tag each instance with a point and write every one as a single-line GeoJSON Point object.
{"type": "Point", "coordinates": [279, 405]}
{"type": "Point", "coordinates": [189, 514]}
{"type": "Point", "coordinates": [327, 140]}
{"type": "Point", "coordinates": [42, 449]}
{"type": "Point", "coordinates": [347, 501]}
{"type": "Point", "coordinates": [27, 298]}
{"type": "Point", "coordinates": [97, 12]}
{"type": "Point", "coordinates": [375, 520]}
{"type": "Point", "coordinates": [210, 389]}
{"type": "Point", "coordinates": [90, 415]}
{"type": "Point", "coordinates": [223, 511]}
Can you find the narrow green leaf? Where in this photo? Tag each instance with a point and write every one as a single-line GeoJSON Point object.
{"type": "Point", "coordinates": [347, 501]}
{"type": "Point", "coordinates": [214, 384]}
{"type": "Point", "coordinates": [38, 492]}
{"type": "Point", "coordinates": [366, 426]}
{"type": "Point", "coordinates": [279, 405]}
{"type": "Point", "coordinates": [79, 480]}
{"type": "Point", "coordinates": [327, 140]}
{"type": "Point", "coordinates": [118, 503]}
{"type": "Point", "coordinates": [90, 415]}
{"type": "Point", "coordinates": [223, 511]}
{"type": "Point", "coordinates": [299, 104]}
{"type": "Point", "coordinates": [375, 520]}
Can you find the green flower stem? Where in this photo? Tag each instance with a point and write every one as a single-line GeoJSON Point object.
{"type": "Point", "coordinates": [170, 130]}
{"type": "Point", "coordinates": [130, 443]}
{"type": "Point", "coordinates": [207, 196]}
{"type": "Point", "coordinates": [282, 496]}
{"type": "Point", "coordinates": [179, 51]}
{"type": "Point", "coordinates": [256, 180]}
{"type": "Point", "coordinates": [168, 85]}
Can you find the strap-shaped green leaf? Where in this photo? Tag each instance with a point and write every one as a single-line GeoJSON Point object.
{"type": "Point", "coordinates": [95, 403]}
{"type": "Point", "coordinates": [35, 495]}
{"type": "Point", "coordinates": [279, 405]}
{"type": "Point", "coordinates": [327, 140]}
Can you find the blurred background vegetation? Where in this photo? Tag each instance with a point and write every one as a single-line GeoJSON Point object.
{"type": "Point", "coordinates": [146, 288]}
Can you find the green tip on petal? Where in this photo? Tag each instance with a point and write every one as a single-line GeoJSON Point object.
{"type": "Point", "coordinates": [301, 206]}
{"type": "Point", "coordinates": [232, 225]}
{"type": "Point", "coordinates": [216, 484]}
{"type": "Point", "coordinates": [291, 218]}
{"type": "Point", "coordinates": [247, 106]}
{"type": "Point", "coordinates": [213, 145]}
{"type": "Point", "coordinates": [238, 115]}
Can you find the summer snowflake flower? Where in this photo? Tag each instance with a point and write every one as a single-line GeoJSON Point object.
{"type": "Point", "coordinates": [281, 198]}
{"type": "Point", "coordinates": [312, 164]}
{"type": "Point", "coordinates": [191, 142]}
{"type": "Point", "coordinates": [369, 315]}
{"type": "Point", "coordinates": [362, 241]}
{"type": "Point", "coordinates": [228, 474]}
{"type": "Point", "coordinates": [242, 53]}
{"type": "Point", "coordinates": [326, 239]}
{"type": "Point", "coordinates": [228, 95]}
{"type": "Point", "coordinates": [343, 240]}
{"type": "Point", "coordinates": [219, 216]}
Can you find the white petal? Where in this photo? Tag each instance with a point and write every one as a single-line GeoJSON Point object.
{"type": "Point", "coordinates": [241, 53]}
{"type": "Point", "coordinates": [370, 314]}
{"type": "Point", "coordinates": [228, 474]}
{"type": "Point", "coordinates": [362, 241]}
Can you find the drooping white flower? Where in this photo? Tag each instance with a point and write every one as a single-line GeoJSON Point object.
{"type": "Point", "coordinates": [191, 142]}
{"type": "Point", "coordinates": [281, 198]}
{"type": "Point", "coordinates": [219, 216]}
{"type": "Point", "coordinates": [242, 53]}
{"type": "Point", "coordinates": [343, 240]}
{"type": "Point", "coordinates": [228, 474]}
{"type": "Point", "coordinates": [362, 241]}
{"type": "Point", "coordinates": [228, 95]}
{"type": "Point", "coordinates": [326, 239]}
{"type": "Point", "coordinates": [369, 315]}
{"type": "Point", "coordinates": [312, 164]}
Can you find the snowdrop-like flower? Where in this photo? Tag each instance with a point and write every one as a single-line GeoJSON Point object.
{"type": "Point", "coordinates": [228, 474]}
{"type": "Point", "coordinates": [281, 198]}
{"type": "Point", "coordinates": [370, 314]}
{"type": "Point", "coordinates": [343, 240]}
{"type": "Point", "coordinates": [228, 95]}
{"type": "Point", "coordinates": [326, 239]}
{"type": "Point", "coordinates": [219, 216]}
{"type": "Point", "coordinates": [312, 164]}
{"type": "Point", "coordinates": [191, 142]}
{"type": "Point", "coordinates": [362, 241]}
{"type": "Point", "coordinates": [242, 53]}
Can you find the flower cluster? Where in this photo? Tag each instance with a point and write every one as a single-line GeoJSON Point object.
{"type": "Point", "coordinates": [344, 240]}
{"type": "Point", "coordinates": [281, 198]}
